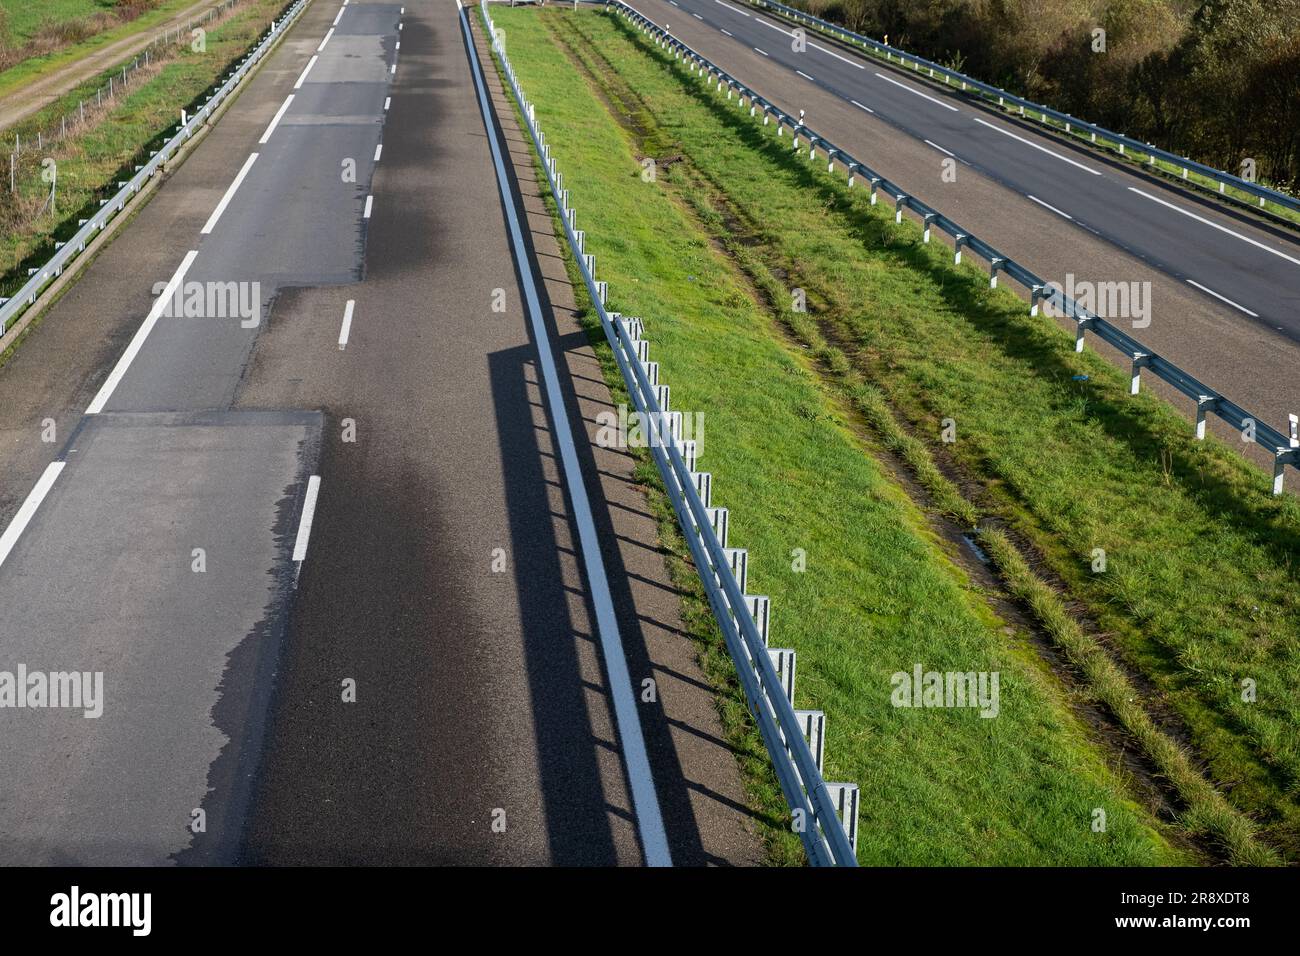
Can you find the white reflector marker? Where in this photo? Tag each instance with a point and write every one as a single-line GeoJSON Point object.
{"type": "Point", "coordinates": [308, 513]}
{"type": "Point", "coordinates": [159, 305]}
{"type": "Point", "coordinates": [25, 513]}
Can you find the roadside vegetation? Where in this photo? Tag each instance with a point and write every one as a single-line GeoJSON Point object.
{"type": "Point", "coordinates": [789, 453]}
{"type": "Point", "coordinates": [113, 140]}
{"type": "Point", "coordinates": [1188, 642]}
{"type": "Point", "coordinates": [1215, 80]}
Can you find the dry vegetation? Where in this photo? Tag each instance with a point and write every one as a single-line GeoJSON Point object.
{"type": "Point", "coordinates": [58, 31]}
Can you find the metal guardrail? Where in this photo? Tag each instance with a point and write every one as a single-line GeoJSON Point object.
{"type": "Point", "coordinates": [824, 815]}
{"type": "Point", "coordinates": [1285, 448]}
{"type": "Point", "coordinates": [1069, 123]}
{"type": "Point", "coordinates": [65, 252]}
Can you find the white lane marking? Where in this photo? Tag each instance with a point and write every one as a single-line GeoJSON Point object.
{"type": "Point", "coordinates": [1051, 207]}
{"type": "Point", "coordinates": [727, 33]}
{"type": "Point", "coordinates": [379, 148]}
{"type": "Point", "coordinates": [28, 509]}
{"type": "Point", "coordinates": [697, 16]}
{"type": "Point", "coordinates": [399, 45]}
{"type": "Point", "coordinates": [369, 202]}
{"type": "Point", "coordinates": [674, 3]}
{"type": "Point", "coordinates": [339, 16]}
{"type": "Point", "coordinates": [941, 149]}
{"type": "Point", "coordinates": [757, 50]}
{"type": "Point", "coordinates": [1208, 222]}
{"type": "Point", "coordinates": [818, 46]}
{"type": "Point", "coordinates": [310, 64]}
{"type": "Point", "coordinates": [774, 27]}
{"type": "Point", "coordinates": [392, 70]}
{"type": "Point", "coordinates": [926, 96]}
{"type": "Point", "coordinates": [347, 323]}
{"type": "Point", "coordinates": [387, 100]}
{"type": "Point", "coordinates": [230, 194]}
{"type": "Point", "coordinates": [861, 107]}
{"type": "Point", "coordinates": [729, 7]}
{"type": "Point", "coordinates": [1041, 149]}
{"type": "Point", "coordinates": [805, 75]}
{"type": "Point", "coordinates": [308, 513]}
{"type": "Point", "coordinates": [142, 333]}
{"type": "Point", "coordinates": [399, 28]}
{"type": "Point", "coordinates": [627, 718]}
{"type": "Point", "coordinates": [326, 40]}
{"type": "Point", "coordinates": [275, 121]}
{"type": "Point", "coordinates": [1223, 298]}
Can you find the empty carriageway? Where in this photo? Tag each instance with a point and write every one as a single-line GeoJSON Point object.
{"type": "Point", "coordinates": [331, 578]}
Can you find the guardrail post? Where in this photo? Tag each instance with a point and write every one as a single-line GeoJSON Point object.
{"type": "Point", "coordinates": [927, 219]}
{"type": "Point", "coordinates": [1081, 323]}
{"type": "Point", "coordinates": [957, 243]}
{"type": "Point", "coordinates": [1204, 403]}
{"type": "Point", "coordinates": [783, 659]}
{"type": "Point", "coordinates": [738, 560]}
{"type": "Point", "coordinates": [898, 207]}
{"type": "Point", "coordinates": [846, 797]}
{"type": "Point", "coordinates": [813, 723]}
{"type": "Point", "coordinates": [1140, 361]}
{"type": "Point", "coordinates": [760, 609]}
{"type": "Point", "coordinates": [995, 264]}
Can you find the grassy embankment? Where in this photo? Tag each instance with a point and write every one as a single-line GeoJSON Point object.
{"type": "Point", "coordinates": [879, 595]}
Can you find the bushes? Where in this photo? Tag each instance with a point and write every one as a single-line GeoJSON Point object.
{"type": "Point", "coordinates": [1217, 80]}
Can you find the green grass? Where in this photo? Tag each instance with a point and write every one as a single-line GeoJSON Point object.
{"type": "Point", "coordinates": [1200, 591]}
{"type": "Point", "coordinates": [25, 16]}
{"type": "Point", "coordinates": [878, 595]}
{"type": "Point", "coordinates": [90, 163]}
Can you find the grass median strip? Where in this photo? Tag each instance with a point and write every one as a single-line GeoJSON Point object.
{"type": "Point", "coordinates": [860, 587]}
{"type": "Point", "coordinates": [1199, 591]}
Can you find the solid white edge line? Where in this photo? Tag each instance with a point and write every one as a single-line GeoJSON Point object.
{"type": "Point", "coordinates": [379, 148]}
{"type": "Point", "coordinates": [730, 7]}
{"type": "Point", "coordinates": [370, 200]}
{"type": "Point", "coordinates": [861, 107]}
{"type": "Point", "coordinates": [303, 76]}
{"type": "Point", "coordinates": [230, 194]}
{"type": "Point", "coordinates": [304, 523]}
{"type": "Point", "coordinates": [926, 96]}
{"type": "Point", "coordinates": [275, 121]}
{"type": "Point", "coordinates": [757, 50]}
{"type": "Point", "coordinates": [1214, 225]}
{"type": "Point", "coordinates": [774, 27]}
{"type": "Point", "coordinates": [28, 509]}
{"type": "Point", "coordinates": [1223, 298]}
{"type": "Point", "coordinates": [817, 46]}
{"type": "Point", "coordinates": [338, 16]}
{"type": "Point", "coordinates": [347, 322]}
{"type": "Point", "coordinates": [142, 333]}
{"type": "Point", "coordinates": [1047, 205]}
{"type": "Point", "coordinates": [627, 719]}
{"type": "Point", "coordinates": [940, 149]}
{"type": "Point", "coordinates": [1041, 149]}
{"type": "Point", "coordinates": [329, 33]}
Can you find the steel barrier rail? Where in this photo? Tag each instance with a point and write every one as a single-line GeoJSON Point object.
{"type": "Point", "coordinates": [824, 835]}
{"type": "Point", "coordinates": [1285, 448]}
{"type": "Point", "coordinates": [1263, 193]}
{"type": "Point", "coordinates": [67, 251]}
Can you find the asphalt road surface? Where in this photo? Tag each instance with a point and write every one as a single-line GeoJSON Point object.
{"type": "Point", "coordinates": [314, 532]}
{"type": "Point", "coordinates": [1225, 288]}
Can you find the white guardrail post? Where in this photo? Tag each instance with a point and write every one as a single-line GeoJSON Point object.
{"type": "Point", "coordinates": [1284, 448]}
{"type": "Point", "coordinates": [825, 815]}
{"type": "Point", "coordinates": [12, 307]}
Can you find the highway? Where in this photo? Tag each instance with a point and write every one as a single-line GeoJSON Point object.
{"type": "Point", "coordinates": [1225, 287]}
{"type": "Point", "coordinates": [324, 551]}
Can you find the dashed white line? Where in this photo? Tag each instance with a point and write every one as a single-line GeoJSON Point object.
{"type": "Point", "coordinates": [1215, 225]}
{"type": "Point", "coordinates": [387, 101]}
{"type": "Point", "coordinates": [326, 40]}
{"type": "Point", "coordinates": [805, 75]}
{"type": "Point", "coordinates": [697, 16]}
{"type": "Point", "coordinates": [399, 45]}
{"type": "Point", "coordinates": [926, 96]}
{"type": "Point", "coordinates": [339, 16]}
{"type": "Point", "coordinates": [28, 509]}
{"type": "Point", "coordinates": [1223, 298]}
{"type": "Point", "coordinates": [675, 3]}
{"type": "Point", "coordinates": [347, 323]}
{"type": "Point", "coordinates": [275, 121]}
{"type": "Point", "coordinates": [1041, 149]}
{"type": "Point", "coordinates": [818, 46]}
{"type": "Point", "coordinates": [731, 8]}
{"type": "Point", "coordinates": [861, 107]}
{"type": "Point", "coordinates": [308, 514]}
{"type": "Point", "coordinates": [379, 148]}
{"type": "Point", "coordinates": [310, 64]}
{"type": "Point", "coordinates": [142, 333]}
{"type": "Point", "coordinates": [392, 70]}
{"type": "Point", "coordinates": [230, 194]}
{"type": "Point", "coordinates": [370, 201]}
{"type": "Point", "coordinates": [757, 50]}
{"type": "Point", "coordinates": [728, 33]}
{"type": "Point", "coordinates": [1051, 207]}
{"type": "Point", "coordinates": [940, 149]}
